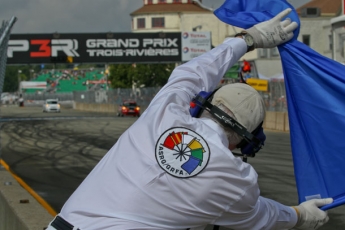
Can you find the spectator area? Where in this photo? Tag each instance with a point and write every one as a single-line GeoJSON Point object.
{"type": "Point", "coordinates": [64, 81]}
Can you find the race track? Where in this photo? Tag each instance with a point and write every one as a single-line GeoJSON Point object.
{"type": "Point", "coordinates": [53, 152]}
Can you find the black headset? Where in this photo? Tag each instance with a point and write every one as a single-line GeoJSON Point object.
{"type": "Point", "coordinates": [251, 143]}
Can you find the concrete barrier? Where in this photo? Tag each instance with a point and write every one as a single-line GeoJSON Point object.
{"type": "Point", "coordinates": [276, 121]}
{"type": "Point", "coordinates": [273, 120]}
{"type": "Point", "coordinates": [96, 107]}
{"type": "Point", "coordinates": [18, 209]}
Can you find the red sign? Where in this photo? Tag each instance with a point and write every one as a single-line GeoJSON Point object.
{"type": "Point", "coordinates": [98, 82]}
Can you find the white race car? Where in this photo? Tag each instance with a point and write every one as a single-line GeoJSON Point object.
{"type": "Point", "coordinates": [51, 105]}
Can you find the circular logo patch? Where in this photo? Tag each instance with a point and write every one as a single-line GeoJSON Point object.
{"type": "Point", "coordinates": [182, 153]}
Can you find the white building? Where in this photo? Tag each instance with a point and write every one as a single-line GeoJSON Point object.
{"type": "Point", "coordinates": [182, 15]}
{"type": "Point", "coordinates": [191, 15]}
{"type": "Point", "coordinates": [316, 28]}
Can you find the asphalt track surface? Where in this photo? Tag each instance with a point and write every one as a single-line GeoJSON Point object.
{"type": "Point", "coordinates": [54, 152]}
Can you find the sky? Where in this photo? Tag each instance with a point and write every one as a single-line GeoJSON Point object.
{"type": "Point", "coordinates": [78, 16]}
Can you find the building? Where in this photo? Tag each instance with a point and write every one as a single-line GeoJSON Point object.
{"type": "Point", "coordinates": [176, 16]}
{"type": "Point", "coordinates": [316, 28]}
{"type": "Point", "coordinates": [181, 16]}
{"type": "Point", "coordinates": [315, 31]}
{"type": "Point", "coordinates": [192, 15]}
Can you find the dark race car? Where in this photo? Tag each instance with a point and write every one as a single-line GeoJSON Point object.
{"type": "Point", "coordinates": [129, 108]}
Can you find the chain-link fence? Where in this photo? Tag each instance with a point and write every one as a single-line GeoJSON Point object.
{"type": "Point", "coordinates": [44, 96]}
{"type": "Point", "coordinates": [274, 98]}
{"type": "Point", "coordinates": [142, 96]}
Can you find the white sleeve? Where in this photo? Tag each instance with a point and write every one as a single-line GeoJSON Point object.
{"type": "Point", "coordinates": [204, 72]}
{"type": "Point", "coordinates": [256, 212]}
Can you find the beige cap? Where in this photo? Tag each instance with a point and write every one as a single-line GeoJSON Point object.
{"type": "Point", "coordinates": [244, 102]}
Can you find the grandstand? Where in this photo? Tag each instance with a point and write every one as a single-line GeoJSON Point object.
{"type": "Point", "coordinates": [65, 81]}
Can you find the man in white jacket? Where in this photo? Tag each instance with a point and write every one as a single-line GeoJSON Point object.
{"type": "Point", "coordinates": [170, 170]}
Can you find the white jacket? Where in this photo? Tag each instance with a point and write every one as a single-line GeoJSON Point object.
{"type": "Point", "coordinates": [172, 171]}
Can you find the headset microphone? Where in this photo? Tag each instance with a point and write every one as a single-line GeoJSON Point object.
{"type": "Point", "coordinates": [251, 143]}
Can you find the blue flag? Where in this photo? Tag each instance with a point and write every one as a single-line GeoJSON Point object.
{"type": "Point", "coordinates": [315, 88]}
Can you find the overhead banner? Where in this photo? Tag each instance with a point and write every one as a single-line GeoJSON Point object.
{"type": "Point", "coordinates": [94, 48]}
{"type": "Point", "coordinates": [194, 44]}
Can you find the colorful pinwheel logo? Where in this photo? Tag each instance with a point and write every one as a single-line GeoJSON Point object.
{"type": "Point", "coordinates": [182, 152]}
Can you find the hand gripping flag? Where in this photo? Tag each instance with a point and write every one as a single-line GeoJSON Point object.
{"type": "Point", "coordinates": [315, 88]}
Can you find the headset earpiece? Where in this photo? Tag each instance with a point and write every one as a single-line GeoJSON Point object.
{"type": "Point", "coordinates": [196, 106]}
{"type": "Point", "coordinates": [250, 148]}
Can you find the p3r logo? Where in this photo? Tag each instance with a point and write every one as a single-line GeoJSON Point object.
{"type": "Point", "coordinates": [46, 47]}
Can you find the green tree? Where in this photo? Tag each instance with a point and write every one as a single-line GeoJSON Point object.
{"type": "Point", "coordinates": [24, 72]}
{"type": "Point", "coordinates": [148, 75]}
{"type": "Point", "coordinates": [11, 80]}
{"type": "Point", "coordinates": [119, 76]}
